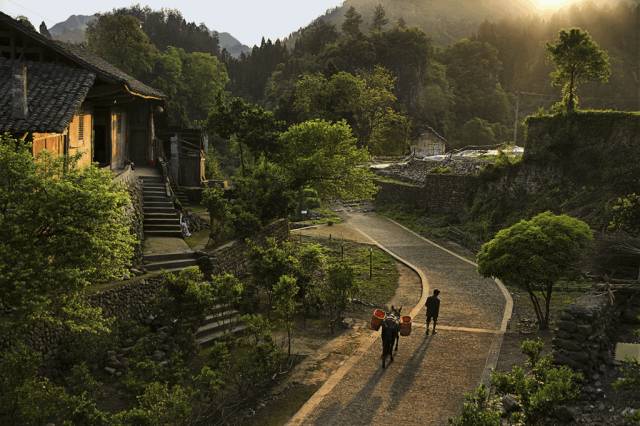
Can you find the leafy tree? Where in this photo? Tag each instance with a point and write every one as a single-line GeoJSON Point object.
{"type": "Point", "coordinates": [363, 100]}
{"type": "Point", "coordinates": [534, 254]}
{"type": "Point", "coordinates": [390, 135]}
{"type": "Point", "coordinates": [337, 290]}
{"type": "Point", "coordinates": [120, 40]}
{"type": "Point", "coordinates": [167, 27]}
{"type": "Point", "coordinates": [270, 261]}
{"type": "Point", "coordinates": [323, 156]}
{"type": "Point", "coordinates": [626, 214]}
{"type": "Point", "coordinates": [284, 304]}
{"type": "Point", "coordinates": [253, 126]}
{"type": "Point", "coordinates": [310, 273]}
{"type": "Point", "coordinates": [48, 203]}
{"type": "Point", "coordinates": [219, 211]}
{"type": "Point", "coordinates": [477, 132]}
{"type": "Point", "coordinates": [227, 289]}
{"type": "Point", "coordinates": [473, 69]}
{"type": "Point", "coordinates": [578, 59]}
{"type": "Point", "coordinates": [265, 192]}
{"type": "Point", "coordinates": [204, 80]}
{"type": "Point", "coordinates": [380, 19]}
{"type": "Point", "coordinates": [352, 22]}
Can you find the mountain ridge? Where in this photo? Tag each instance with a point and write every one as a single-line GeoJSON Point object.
{"type": "Point", "coordinates": [73, 30]}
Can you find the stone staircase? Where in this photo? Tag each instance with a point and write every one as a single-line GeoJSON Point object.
{"type": "Point", "coordinates": [222, 321]}
{"type": "Point", "coordinates": [170, 262]}
{"type": "Point", "coordinates": [160, 217]}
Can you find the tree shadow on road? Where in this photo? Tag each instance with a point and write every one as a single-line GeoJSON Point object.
{"type": "Point", "coordinates": [407, 376]}
{"type": "Point", "coordinates": [360, 410]}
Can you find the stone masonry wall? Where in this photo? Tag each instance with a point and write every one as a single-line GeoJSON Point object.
{"type": "Point", "coordinates": [232, 257]}
{"type": "Point", "coordinates": [440, 194]}
{"type": "Point", "coordinates": [585, 333]}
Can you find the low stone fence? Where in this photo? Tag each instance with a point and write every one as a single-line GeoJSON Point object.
{"type": "Point", "coordinates": [584, 339]}
{"type": "Point", "coordinates": [129, 301]}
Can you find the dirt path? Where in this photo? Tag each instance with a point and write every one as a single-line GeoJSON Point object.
{"type": "Point", "coordinates": [426, 383]}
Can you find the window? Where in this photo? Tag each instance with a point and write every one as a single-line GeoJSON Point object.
{"type": "Point", "coordinates": [81, 127]}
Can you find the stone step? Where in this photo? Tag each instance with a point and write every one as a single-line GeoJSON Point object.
{"type": "Point", "coordinates": [154, 191]}
{"type": "Point", "coordinates": [164, 203]}
{"type": "Point", "coordinates": [154, 186]}
{"type": "Point", "coordinates": [154, 209]}
{"type": "Point", "coordinates": [168, 221]}
{"type": "Point", "coordinates": [152, 179]}
{"type": "Point", "coordinates": [223, 319]}
{"type": "Point", "coordinates": [211, 338]}
{"type": "Point", "coordinates": [162, 227]}
{"type": "Point", "coordinates": [174, 234]}
{"type": "Point", "coordinates": [155, 258]}
{"type": "Point", "coordinates": [159, 197]}
{"type": "Point", "coordinates": [157, 216]}
{"type": "Point", "coordinates": [171, 264]}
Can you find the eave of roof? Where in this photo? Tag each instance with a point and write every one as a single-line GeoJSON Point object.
{"type": "Point", "coordinates": [88, 60]}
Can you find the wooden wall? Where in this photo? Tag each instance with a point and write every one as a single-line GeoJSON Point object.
{"type": "Point", "coordinates": [80, 133]}
{"type": "Point", "coordinates": [52, 142]}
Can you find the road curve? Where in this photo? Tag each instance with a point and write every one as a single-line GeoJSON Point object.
{"type": "Point", "coordinates": [427, 382]}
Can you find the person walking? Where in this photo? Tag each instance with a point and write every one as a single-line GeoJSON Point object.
{"type": "Point", "coordinates": [433, 309]}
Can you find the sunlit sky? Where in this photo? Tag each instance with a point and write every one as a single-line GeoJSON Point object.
{"type": "Point", "coordinates": [246, 20]}
{"type": "Point", "coordinates": [551, 4]}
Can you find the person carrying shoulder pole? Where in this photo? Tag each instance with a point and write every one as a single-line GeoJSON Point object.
{"type": "Point", "coordinates": [433, 308]}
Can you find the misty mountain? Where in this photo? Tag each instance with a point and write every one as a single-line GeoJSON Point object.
{"type": "Point", "coordinates": [232, 45]}
{"type": "Point", "coordinates": [73, 31]}
{"type": "Point", "coordinates": [445, 21]}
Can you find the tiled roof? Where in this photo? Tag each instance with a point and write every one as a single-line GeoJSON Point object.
{"type": "Point", "coordinates": [54, 94]}
{"type": "Point", "coordinates": [86, 59]}
{"type": "Point", "coordinates": [101, 66]}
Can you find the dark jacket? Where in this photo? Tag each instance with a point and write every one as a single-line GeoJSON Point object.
{"type": "Point", "coordinates": [433, 306]}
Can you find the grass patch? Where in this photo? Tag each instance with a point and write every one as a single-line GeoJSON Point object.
{"type": "Point", "coordinates": [327, 216]}
{"type": "Point", "coordinates": [381, 287]}
{"type": "Point", "coordinates": [278, 412]}
{"type": "Point", "coordinates": [198, 240]}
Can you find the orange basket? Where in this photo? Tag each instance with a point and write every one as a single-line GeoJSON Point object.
{"type": "Point", "coordinates": [377, 318]}
{"type": "Point", "coordinates": [405, 326]}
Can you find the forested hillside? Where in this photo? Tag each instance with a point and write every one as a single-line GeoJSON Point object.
{"type": "Point", "coordinates": [466, 81]}
{"type": "Point", "coordinates": [444, 22]}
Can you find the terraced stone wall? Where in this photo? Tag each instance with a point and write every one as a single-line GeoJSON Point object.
{"type": "Point", "coordinates": [440, 194]}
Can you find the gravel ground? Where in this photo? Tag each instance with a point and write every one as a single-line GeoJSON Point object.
{"type": "Point", "coordinates": [427, 382]}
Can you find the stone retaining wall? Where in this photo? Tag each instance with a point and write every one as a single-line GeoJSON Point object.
{"type": "Point", "coordinates": [232, 257]}
{"type": "Point", "coordinates": [440, 194]}
{"type": "Point", "coordinates": [584, 339]}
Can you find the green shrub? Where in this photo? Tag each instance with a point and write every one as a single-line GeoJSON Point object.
{"type": "Point", "coordinates": [479, 409]}
{"type": "Point", "coordinates": [538, 388]}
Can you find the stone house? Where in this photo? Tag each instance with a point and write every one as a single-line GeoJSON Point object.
{"type": "Point", "coordinates": [69, 101]}
{"type": "Point", "coordinates": [429, 143]}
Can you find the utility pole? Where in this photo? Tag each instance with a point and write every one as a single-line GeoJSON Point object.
{"type": "Point", "coordinates": [517, 119]}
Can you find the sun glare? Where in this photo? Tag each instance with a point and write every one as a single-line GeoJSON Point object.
{"type": "Point", "coordinates": [551, 4]}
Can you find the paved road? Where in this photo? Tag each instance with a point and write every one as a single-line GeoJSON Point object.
{"type": "Point", "coordinates": [426, 383]}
